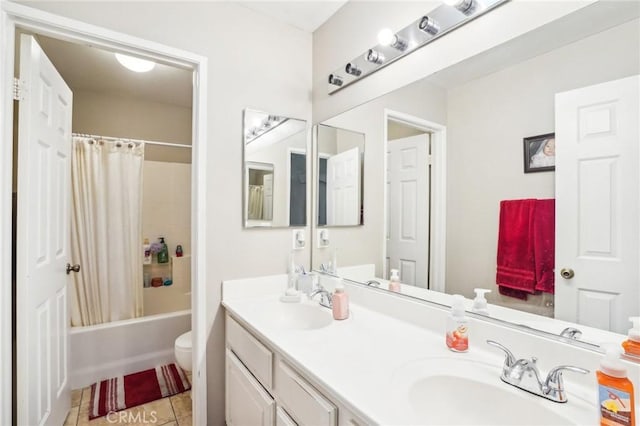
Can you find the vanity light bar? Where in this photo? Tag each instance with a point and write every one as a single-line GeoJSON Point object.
{"type": "Point", "coordinates": [269, 123]}
{"type": "Point", "coordinates": [423, 31]}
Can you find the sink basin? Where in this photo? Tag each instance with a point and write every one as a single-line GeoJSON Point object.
{"type": "Point", "coordinates": [449, 391]}
{"type": "Point", "coordinates": [297, 316]}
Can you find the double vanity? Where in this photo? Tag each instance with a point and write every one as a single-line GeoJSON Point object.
{"type": "Point", "coordinates": [291, 363]}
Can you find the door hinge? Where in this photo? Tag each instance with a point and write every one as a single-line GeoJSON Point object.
{"type": "Point", "coordinates": [429, 159]}
{"type": "Point", "coordinates": [18, 85]}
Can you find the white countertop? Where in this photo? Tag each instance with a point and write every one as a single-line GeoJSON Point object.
{"type": "Point", "coordinates": [358, 360]}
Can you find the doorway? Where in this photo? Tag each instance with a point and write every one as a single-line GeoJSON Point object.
{"type": "Point", "coordinates": [18, 17]}
{"type": "Point", "coordinates": [415, 200]}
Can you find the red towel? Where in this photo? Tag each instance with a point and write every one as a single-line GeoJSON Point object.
{"type": "Point", "coordinates": [526, 247]}
{"type": "Point", "coordinates": [544, 248]}
{"type": "Point", "coordinates": [515, 274]}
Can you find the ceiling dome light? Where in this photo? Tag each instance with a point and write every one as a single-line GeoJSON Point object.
{"type": "Point", "coordinates": [135, 64]}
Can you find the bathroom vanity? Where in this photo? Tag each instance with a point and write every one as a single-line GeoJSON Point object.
{"type": "Point", "coordinates": [387, 364]}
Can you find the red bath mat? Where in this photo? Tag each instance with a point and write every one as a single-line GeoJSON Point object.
{"type": "Point", "coordinates": [124, 392]}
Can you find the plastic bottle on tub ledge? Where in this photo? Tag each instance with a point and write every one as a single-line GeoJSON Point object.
{"type": "Point", "coordinates": [146, 249]}
{"type": "Point", "coordinates": [163, 254]}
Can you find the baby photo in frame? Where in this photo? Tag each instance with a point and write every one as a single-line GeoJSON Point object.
{"type": "Point", "coordinates": [540, 153]}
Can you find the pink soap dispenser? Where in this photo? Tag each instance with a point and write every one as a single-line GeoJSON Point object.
{"type": "Point", "coordinates": [340, 302]}
{"type": "Point", "coordinates": [394, 281]}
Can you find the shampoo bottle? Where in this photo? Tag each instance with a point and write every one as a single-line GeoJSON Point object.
{"type": "Point", "coordinates": [457, 337]}
{"type": "Point", "coordinates": [632, 344]}
{"type": "Point", "coordinates": [394, 281]}
{"type": "Point", "coordinates": [146, 249]}
{"type": "Point", "coordinates": [615, 391]}
{"type": "Point", "coordinates": [340, 302]}
{"type": "Point", "coordinates": [480, 303]}
{"type": "Point", "coordinates": [163, 254]}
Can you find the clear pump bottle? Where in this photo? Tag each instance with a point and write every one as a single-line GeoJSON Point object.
{"type": "Point", "coordinates": [457, 336]}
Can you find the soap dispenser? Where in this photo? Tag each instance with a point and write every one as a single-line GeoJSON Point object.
{"type": "Point", "coordinates": [457, 336]}
{"type": "Point", "coordinates": [632, 344]}
{"type": "Point", "coordinates": [291, 294]}
{"type": "Point", "coordinates": [615, 391]}
{"type": "Point", "coordinates": [340, 302]}
{"type": "Point", "coordinates": [394, 281]}
{"type": "Point", "coordinates": [480, 303]}
{"type": "Point", "coordinates": [163, 254]}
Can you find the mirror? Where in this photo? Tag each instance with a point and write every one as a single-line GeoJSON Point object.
{"type": "Point", "coordinates": [275, 170]}
{"type": "Point", "coordinates": [444, 152]}
{"type": "Point", "coordinates": [339, 181]}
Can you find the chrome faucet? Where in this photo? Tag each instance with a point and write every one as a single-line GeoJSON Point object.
{"type": "Point", "coordinates": [524, 374]}
{"type": "Point", "coordinates": [571, 333]}
{"type": "Point", "coordinates": [325, 296]}
{"type": "Point", "coordinates": [373, 283]}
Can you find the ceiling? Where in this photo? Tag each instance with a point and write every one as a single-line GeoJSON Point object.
{"type": "Point", "coordinates": [89, 68]}
{"type": "Point", "coordinates": [306, 15]}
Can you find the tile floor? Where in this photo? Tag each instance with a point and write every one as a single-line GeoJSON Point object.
{"type": "Point", "coordinates": [171, 411]}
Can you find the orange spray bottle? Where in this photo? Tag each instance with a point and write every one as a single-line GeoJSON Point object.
{"type": "Point", "coordinates": [616, 401]}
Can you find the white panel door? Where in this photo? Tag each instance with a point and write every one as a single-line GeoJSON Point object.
{"type": "Point", "coordinates": [247, 403]}
{"type": "Point", "coordinates": [408, 208]}
{"type": "Point", "coordinates": [343, 188]}
{"type": "Point", "coordinates": [597, 190]}
{"type": "Point", "coordinates": [44, 187]}
{"type": "Point", "coordinates": [267, 197]}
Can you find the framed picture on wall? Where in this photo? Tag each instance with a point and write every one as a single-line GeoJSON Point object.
{"type": "Point", "coordinates": [540, 153]}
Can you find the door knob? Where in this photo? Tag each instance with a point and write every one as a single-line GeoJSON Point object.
{"type": "Point", "coordinates": [567, 273]}
{"type": "Point", "coordinates": [74, 268]}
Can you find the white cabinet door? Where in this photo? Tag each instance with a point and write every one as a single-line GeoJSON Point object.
{"type": "Point", "coordinates": [44, 188]}
{"type": "Point", "coordinates": [597, 203]}
{"type": "Point", "coordinates": [247, 403]}
{"type": "Point", "coordinates": [283, 419]}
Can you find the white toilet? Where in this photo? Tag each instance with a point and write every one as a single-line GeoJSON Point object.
{"type": "Point", "coordinates": [182, 350]}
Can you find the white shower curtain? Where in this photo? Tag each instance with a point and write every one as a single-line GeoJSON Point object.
{"type": "Point", "coordinates": [256, 198]}
{"type": "Point", "coordinates": [106, 231]}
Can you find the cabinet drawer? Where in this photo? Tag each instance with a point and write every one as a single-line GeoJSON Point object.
{"type": "Point", "coordinates": [303, 402]}
{"type": "Point", "coordinates": [257, 357]}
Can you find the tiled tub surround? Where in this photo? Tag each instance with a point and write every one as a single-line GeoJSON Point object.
{"type": "Point", "coordinates": [356, 363]}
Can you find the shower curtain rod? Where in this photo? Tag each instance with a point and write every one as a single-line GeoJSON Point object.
{"type": "Point", "coordinates": [111, 138]}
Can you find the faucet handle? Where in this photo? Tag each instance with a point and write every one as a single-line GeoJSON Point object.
{"type": "Point", "coordinates": [509, 359]}
{"type": "Point", "coordinates": [554, 378]}
{"type": "Point", "coordinates": [571, 333]}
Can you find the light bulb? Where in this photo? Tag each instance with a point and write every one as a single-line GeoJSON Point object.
{"type": "Point", "coordinates": [386, 37]}
{"type": "Point", "coordinates": [135, 64]}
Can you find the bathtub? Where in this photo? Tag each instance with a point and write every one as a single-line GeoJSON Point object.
{"type": "Point", "coordinates": [103, 351]}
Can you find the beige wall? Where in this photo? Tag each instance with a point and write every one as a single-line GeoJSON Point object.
{"type": "Point", "coordinates": [106, 114]}
{"type": "Point", "coordinates": [487, 120]}
{"type": "Point", "coordinates": [234, 39]}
